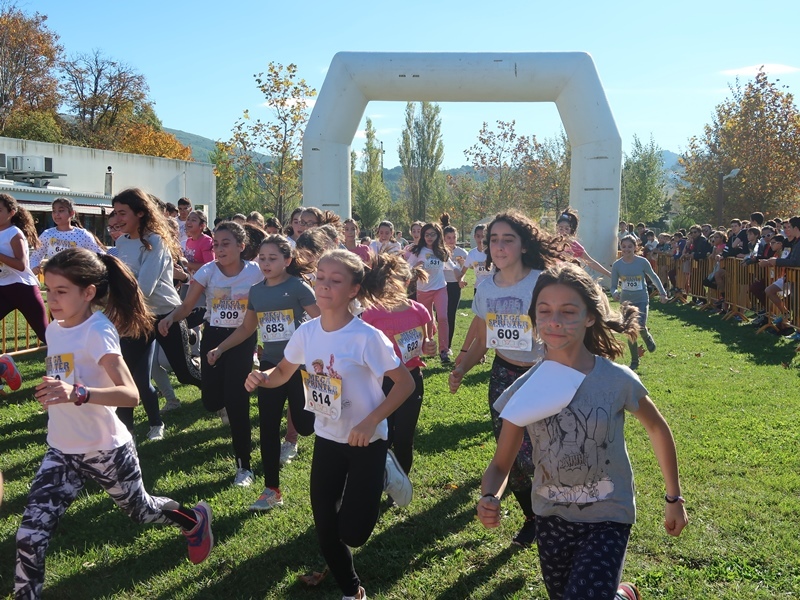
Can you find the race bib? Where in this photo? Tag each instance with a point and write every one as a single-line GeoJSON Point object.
{"type": "Point", "coordinates": [226, 312]}
{"type": "Point", "coordinates": [276, 325]}
{"type": "Point", "coordinates": [410, 343]}
{"type": "Point", "coordinates": [509, 332]}
{"type": "Point", "coordinates": [56, 245]}
{"type": "Point", "coordinates": [323, 395]}
{"type": "Point", "coordinates": [633, 284]}
{"type": "Point", "coordinates": [61, 366]}
{"type": "Point", "coordinates": [432, 264]}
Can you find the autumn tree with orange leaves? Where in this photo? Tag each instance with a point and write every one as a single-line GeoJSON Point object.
{"type": "Point", "coordinates": [756, 130]}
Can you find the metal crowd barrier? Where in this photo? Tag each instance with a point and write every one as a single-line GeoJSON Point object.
{"type": "Point", "coordinates": [12, 341]}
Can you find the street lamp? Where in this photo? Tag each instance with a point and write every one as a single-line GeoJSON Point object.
{"type": "Point", "coordinates": [720, 192]}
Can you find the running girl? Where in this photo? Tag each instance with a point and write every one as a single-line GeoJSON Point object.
{"type": "Point", "coordinates": [343, 390]}
{"type": "Point", "coordinates": [567, 227]}
{"type": "Point", "coordinates": [276, 306]}
{"type": "Point", "coordinates": [629, 272]}
{"type": "Point", "coordinates": [385, 243]}
{"type": "Point", "coordinates": [476, 257]}
{"type": "Point", "coordinates": [86, 378]}
{"type": "Point", "coordinates": [455, 279]}
{"type": "Point", "coordinates": [583, 493]}
{"type": "Point", "coordinates": [148, 249]}
{"type": "Point", "coordinates": [405, 324]}
{"type": "Point", "coordinates": [226, 282]}
{"type": "Point", "coordinates": [519, 252]}
{"type": "Point", "coordinates": [434, 256]}
{"type": "Point", "coordinates": [19, 288]}
{"type": "Point", "coordinates": [64, 235]}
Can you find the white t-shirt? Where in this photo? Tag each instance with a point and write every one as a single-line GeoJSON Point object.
{"type": "Point", "coordinates": [456, 254]}
{"type": "Point", "coordinates": [391, 247]}
{"type": "Point", "coordinates": [182, 234]}
{"type": "Point", "coordinates": [358, 356]}
{"type": "Point", "coordinates": [73, 354]}
{"type": "Point", "coordinates": [477, 260]}
{"type": "Point", "coordinates": [54, 241]}
{"type": "Point", "coordinates": [434, 266]}
{"type": "Point", "coordinates": [7, 274]}
{"type": "Point", "coordinates": [226, 297]}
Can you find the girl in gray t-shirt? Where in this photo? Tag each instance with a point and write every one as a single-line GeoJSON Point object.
{"type": "Point", "coordinates": [583, 493]}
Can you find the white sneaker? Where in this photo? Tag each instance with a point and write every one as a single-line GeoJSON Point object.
{"type": "Point", "coordinates": [395, 481]}
{"type": "Point", "coordinates": [156, 433]}
{"type": "Point", "coordinates": [244, 478]}
{"type": "Point", "coordinates": [223, 416]}
{"type": "Point", "coordinates": [288, 452]}
{"type": "Point", "coordinates": [362, 595]}
{"type": "Point", "coordinates": [171, 405]}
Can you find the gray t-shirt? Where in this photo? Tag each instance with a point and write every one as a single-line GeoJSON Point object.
{"type": "Point", "coordinates": [582, 470]}
{"type": "Point", "coordinates": [280, 313]}
{"type": "Point", "coordinates": [152, 269]}
{"type": "Point", "coordinates": [631, 277]}
{"type": "Point", "coordinates": [513, 300]}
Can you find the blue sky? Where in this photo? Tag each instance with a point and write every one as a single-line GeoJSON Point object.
{"type": "Point", "coordinates": [664, 66]}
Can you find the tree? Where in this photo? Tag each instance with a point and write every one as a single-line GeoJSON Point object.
{"type": "Point", "coordinates": [38, 125]}
{"type": "Point", "coordinates": [756, 130]}
{"type": "Point", "coordinates": [554, 163]}
{"type": "Point", "coordinates": [372, 197]}
{"type": "Point", "coordinates": [463, 195]}
{"type": "Point", "coordinates": [421, 152]}
{"type": "Point", "coordinates": [104, 95]}
{"type": "Point", "coordinates": [29, 55]}
{"type": "Point", "coordinates": [643, 181]}
{"type": "Point", "coordinates": [271, 151]}
{"type": "Point", "coordinates": [143, 138]}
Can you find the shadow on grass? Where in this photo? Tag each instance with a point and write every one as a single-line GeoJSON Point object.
{"type": "Point", "coordinates": [441, 437]}
{"type": "Point", "coordinates": [739, 339]}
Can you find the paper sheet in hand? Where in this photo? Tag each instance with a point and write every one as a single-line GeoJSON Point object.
{"type": "Point", "coordinates": [547, 391]}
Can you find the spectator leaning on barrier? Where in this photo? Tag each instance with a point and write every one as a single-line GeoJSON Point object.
{"type": "Point", "coordinates": [792, 230]}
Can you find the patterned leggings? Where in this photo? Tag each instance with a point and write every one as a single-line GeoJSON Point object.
{"type": "Point", "coordinates": [581, 560]}
{"type": "Point", "coordinates": [56, 485]}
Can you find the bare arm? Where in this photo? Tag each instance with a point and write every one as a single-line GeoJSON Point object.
{"type": "Point", "coordinates": [122, 393]}
{"type": "Point", "coordinates": [473, 356]}
{"type": "Point", "coordinates": [495, 477]}
{"type": "Point", "coordinates": [312, 310]}
{"type": "Point", "coordinates": [181, 312]}
{"type": "Point", "coordinates": [664, 448]}
{"type": "Point", "coordinates": [592, 263]}
{"type": "Point", "coordinates": [17, 261]}
{"type": "Point", "coordinates": [271, 378]}
{"type": "Point", "coordinates": [240, 334]}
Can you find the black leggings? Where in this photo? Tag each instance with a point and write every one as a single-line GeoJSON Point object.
{"type": "Point", "coordinates": [270, 413]}
{"type": "Point", "coordinates": [346, 489]}
{"type": "Point", "coordinates": [403, 421]}
{"type": "Point", "coordinates": [453, 298]}
{"type": "Point", "coordinates": [223, 387]}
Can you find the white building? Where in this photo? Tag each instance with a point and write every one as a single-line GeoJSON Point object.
{"type": "Point", "coordinates": [36, 173]}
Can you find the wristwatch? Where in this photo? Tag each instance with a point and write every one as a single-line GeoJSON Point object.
{"type": "Point", "coordinates": [81, 393]}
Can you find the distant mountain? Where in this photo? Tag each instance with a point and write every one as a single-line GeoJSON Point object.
{"type": "Point", "coordinates": [201, 146]}
{"type": "Point", "coordinates": [670, 160]}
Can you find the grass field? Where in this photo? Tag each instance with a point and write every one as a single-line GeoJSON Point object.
{"type": "Point", "coordinates": [730, 397]}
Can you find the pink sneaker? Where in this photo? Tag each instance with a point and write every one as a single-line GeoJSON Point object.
{"type": "Point", "coordinates": [11, 375]}
{"type": "Point", "coordinates": [201, 538]}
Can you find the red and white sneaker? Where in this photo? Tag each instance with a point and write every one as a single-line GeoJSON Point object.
{"type": "Point", "coordinates": [201, 538]}
{"type": "Point", "coordinates": [11, 374]}
{"type": "Point", "coordinates": [628, 591]}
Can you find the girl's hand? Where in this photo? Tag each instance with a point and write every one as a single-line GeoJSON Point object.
{"type": "Point", "coordinates": [53, 391]}
{"type": "Point", "coordinates": [361, 434]}
{"type": "Point", "coordinates": [489, 511]}
{"type": "Point", "coordinates": [663, 298]}
{"type": "Point", "coordinates": [675, 518]}
{"type": "Point", "coordinates": [429, 347]}
{"type": "Point", "coordinates": [462, 284]}
{"type": "Point", "coordinates": [213, 356]}
{"type": "Point", "coordinates": [256, 379]}
{"type": "Point", "coordinates": [164, 325]}
{"type": "Point", "coordinates": [456, 375]}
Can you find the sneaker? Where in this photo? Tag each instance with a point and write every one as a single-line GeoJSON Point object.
{"type": "Point", "coordinates": [11, 375]}
{"type": "Point", "coordinates": [361, 595]}
{"type": "Point", "coordinates": [223, 416]}
{"type": "Point", "coordinates": [444, 355]}
{"type": "Point", "coordinates": [526, 536]}
{"type": "Point", "coordinates": [760, 320]}
{"type": "Point", "coordinates": [243, 478]}
{"type": "Point", "coordinates": [288, 452]}
{"type": "Point", "coordinates": [171, 405]}
{"type": "Point", "coordinates": [795, 337]}
{"type": "Point", "coordinates": [628, 591]}
{"type": "Point", "coordinates": [269, 499]}
{"type": "Point", "coordinates": [649, 342]}
{"type": "Point", "coordinates": [634, 365]}
{"type": "Point", "coordinates": [395, 481]}
{"type": "Point", "coordinates": [201, 538]}
{"type": "Point", "coordinates": [784, 318]}
{"type": "Point", "coordinates": [156, 433]}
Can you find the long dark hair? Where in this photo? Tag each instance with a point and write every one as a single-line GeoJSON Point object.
{"type": "Point", "coordinates": [22, 219]}
{"type": "Point", "coordinates": [538, 248]}
{"type": "Point", "coordinates": [118, 292]}
{"type": "Point", "coordinates": [152, 219]}
{"type": "Point", "coordinates": [439, 249]}
{"type": "Point", "coordinates": [599, 338]}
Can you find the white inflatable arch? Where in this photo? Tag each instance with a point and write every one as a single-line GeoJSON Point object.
{"type": "Point", "coordinates": [567, 78]}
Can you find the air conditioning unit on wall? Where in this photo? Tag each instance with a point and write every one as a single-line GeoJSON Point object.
{"type": "Point", "coordinates": [2, 162]}
{"type": "Point", "coordinates": [28, 164]}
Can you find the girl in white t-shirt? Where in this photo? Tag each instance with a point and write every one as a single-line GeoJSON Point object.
{"type": "Point", "coordinates": [385, 243]}
{"type": "Point", "coordinates": [64, 235]}
{"type": "Point", "coordinates": [19, 288]}
{"type": "Point", "coordinates": [226, 282]}
{"type": "Point", "coordinates": [86, 379]}
{"type": "Point", "coordinates": [347, 361]}
{"type": "Point", "coordinates": [434, 256]}
{"type": "Point", "coordinates": [583, 490]}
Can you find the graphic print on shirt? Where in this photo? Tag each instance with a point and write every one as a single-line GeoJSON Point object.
{"type": "Point", "coordinates": [56, 245]}
{"type": "Point", "coordinates": [572, 451]}
{"type": "Point", "coordinates": [227, 311]}
{"type": "Point", "coordinates": [323, 390]}
{"type": "Point", "coordinates": [62, 367]}
{"type": "Point", "coordinates": [507, 325]}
